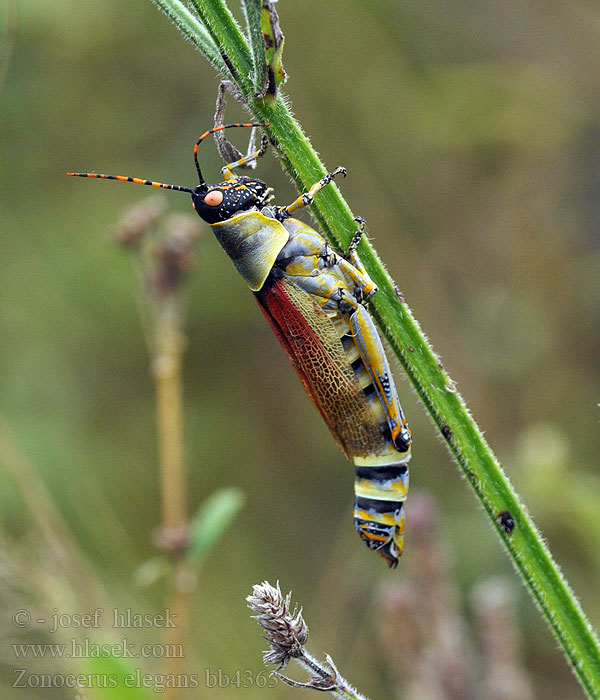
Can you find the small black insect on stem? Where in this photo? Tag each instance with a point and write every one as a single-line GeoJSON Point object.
{"type": "Point", "coordinates": [506, 521]}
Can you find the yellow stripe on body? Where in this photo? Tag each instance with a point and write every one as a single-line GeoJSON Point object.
{"type": "Point", "coordinates": [394, 490]}
{"type": "Point", "coordinates": [384, 459]}
{"type": "Point", "coordinates": [380, 518]}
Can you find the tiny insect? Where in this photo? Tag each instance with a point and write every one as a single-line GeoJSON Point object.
{"type": "Point", "coordinates": [506, 521]}
{"type": "Point", "coordinates": [315, 301]}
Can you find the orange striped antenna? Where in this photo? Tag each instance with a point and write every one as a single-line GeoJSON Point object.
{"type": "Point", "coordinates": [163, 185]}
{"type": "Point", "coordinates": [212, 131]}
{"type": "Point", "coordinates": [137, 180]}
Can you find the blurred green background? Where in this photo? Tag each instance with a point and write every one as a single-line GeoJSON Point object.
{"type": "Point", "coordinates": [471, 138]}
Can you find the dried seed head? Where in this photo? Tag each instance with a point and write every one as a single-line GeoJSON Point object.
{"type": "Point", "coordinates": [183, 230]}
{"type": "Point", "coordinates": [286, 630]}
{"type": "Point", "coordinates": [139, 219]}
{"type": "Point", "coordinates": [174, 256]}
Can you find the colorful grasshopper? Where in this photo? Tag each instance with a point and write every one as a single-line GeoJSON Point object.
{"type": "Point", "coordinates": [313, 300]}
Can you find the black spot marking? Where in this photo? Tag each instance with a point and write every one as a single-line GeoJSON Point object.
{"type": "Point", "coordinates": [447, 433]}
{"type": "Point", "coordinates": [506, 521]}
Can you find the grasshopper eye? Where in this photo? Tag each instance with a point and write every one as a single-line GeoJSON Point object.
{"type": "Point", "coordinates": [214, 198]}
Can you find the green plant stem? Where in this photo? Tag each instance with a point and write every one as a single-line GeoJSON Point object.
{"type": "Point", "coordinates": [252, 10]}
{"type": "Point", "coordinates": [195, 31]}
{"type": "Point", "coordinates": [228, 37]}
{"type": "Point", "coordinates": [530, 555]}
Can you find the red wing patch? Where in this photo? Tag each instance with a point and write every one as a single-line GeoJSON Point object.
{"type": "Point", "coordinates": [312, 343]}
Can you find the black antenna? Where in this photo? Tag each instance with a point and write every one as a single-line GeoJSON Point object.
{"type": "Point", "coordinates": [212, 131]}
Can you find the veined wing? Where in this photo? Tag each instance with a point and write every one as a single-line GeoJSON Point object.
{"type": "Point", "coordinates": [313, 345]}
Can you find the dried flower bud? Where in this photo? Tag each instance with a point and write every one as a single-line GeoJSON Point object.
{"type": "Point", "coordinates": [174, 256]}
{"type": "Point", "coordinates": [286, 630]}
{"type": "Point", "coordinates": [139, 219]}
{"type": "Point", "coordinates": [183, 230]}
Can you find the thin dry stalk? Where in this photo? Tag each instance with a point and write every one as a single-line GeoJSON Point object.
{"type": "Point", "coordinates": [163, 266]}
{"type": "Point", "coordinates": [501, 648]}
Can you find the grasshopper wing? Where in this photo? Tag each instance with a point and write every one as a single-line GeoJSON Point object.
{"type": "Point", "coordinates": [313, 344]}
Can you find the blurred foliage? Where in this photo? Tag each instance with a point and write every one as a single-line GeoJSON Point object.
{"type": "Point", "coordinates": [211, 521]}
{"type": "Point", "coordinates": [472, 145]}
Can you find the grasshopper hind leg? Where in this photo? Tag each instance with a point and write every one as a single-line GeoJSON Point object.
{"type": "Point", "coordinates": [373, 356]}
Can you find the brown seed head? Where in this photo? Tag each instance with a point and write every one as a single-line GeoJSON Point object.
{"type": "Point", "coordinates": [286, 630]}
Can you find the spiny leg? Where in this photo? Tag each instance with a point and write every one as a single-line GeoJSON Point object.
{"type": "Point", "coordinates": [362, 227]}
{"type": "Point", "coordinates": [248, 159]}
{"type": "Point", "coordinates": [353, 266]}
{"type": "Point", "coordinates": [227, 150]}
{"type": "Point", "coordinates": [307, 198]}
{"type": "Point", "coordinates": [230, 154]}
{"type": "Point", "coordinates": [365, 287]}
{"type": "Point", "coordinates": [352, 254]}
{"type": "Point", "coordinates": [218, 129]}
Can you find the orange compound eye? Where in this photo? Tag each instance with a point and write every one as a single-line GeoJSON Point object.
{"type": "Point", "coordinates": [214, 198]}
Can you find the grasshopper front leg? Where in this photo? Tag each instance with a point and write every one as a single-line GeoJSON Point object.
{"type": "Point", "coordinates": [304, 200]}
